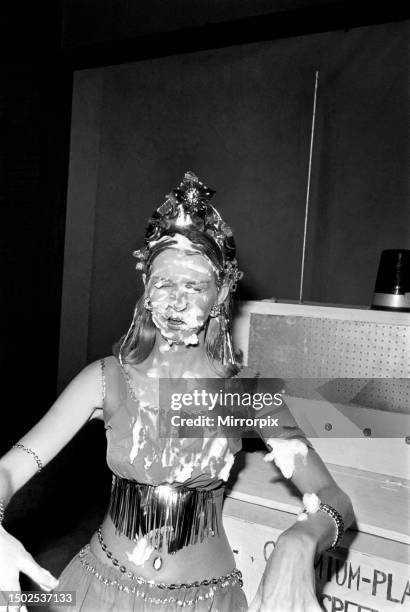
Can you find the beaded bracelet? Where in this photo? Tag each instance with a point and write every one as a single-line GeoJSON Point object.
{"type": "Point", "coordinates": [32, 453]}
{"type": "Point", "coordinates": [338, 521]}
{"type": "Point", "coordinates": [103, 382]}
{"type": "Point", "coordinates": [2, 510]}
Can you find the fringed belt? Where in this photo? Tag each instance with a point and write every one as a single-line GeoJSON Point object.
{"type": "Point", "coordinates": [168, 516]}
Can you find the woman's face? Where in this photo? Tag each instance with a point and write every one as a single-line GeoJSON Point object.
{"type": "Point", "coordinates": [182, 290]}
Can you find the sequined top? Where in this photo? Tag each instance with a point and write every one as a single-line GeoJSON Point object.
{"type": "Point", "coordinates": [136, 452]}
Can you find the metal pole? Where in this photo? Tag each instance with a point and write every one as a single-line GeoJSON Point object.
{"type": "Point", "coordinates": [312, 134]}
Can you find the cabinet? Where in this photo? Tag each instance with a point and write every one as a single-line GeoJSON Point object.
{"type": "Point", "coordinates": [367, 350]}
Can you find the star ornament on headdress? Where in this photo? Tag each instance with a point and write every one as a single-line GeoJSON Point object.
{"type": "Point", "coordinates": [192, 192]}
{"type": "Point", "coordinates": [186, 207]}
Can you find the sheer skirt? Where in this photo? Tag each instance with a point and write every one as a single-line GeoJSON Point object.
{"type": "Point", "coordinates": [103, 588]}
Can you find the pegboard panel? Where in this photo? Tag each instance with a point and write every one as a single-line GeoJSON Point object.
{"type": "Point", "coordinates": [312, 347]}
{"type": "Point", "coordinates": [357, 357]}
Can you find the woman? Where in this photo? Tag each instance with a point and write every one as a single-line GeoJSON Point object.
{"type": "Point", "coordinates": [162, 545]}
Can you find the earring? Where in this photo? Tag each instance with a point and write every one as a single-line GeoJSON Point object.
{"type": "Point", "coordinates": [215, 310]}
{"type": "Point", "coordinates": [147, 304]}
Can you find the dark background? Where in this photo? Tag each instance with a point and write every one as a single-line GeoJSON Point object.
{"type": "Point", "coordinates": [42, 45]}
{"type": "Point", "coordinates": [239, 116]}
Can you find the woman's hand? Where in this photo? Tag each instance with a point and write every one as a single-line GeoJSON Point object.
{"type": "Point", "coordinates": [288, 582]}
{"type": "Point", "coordinates": [14, 559]}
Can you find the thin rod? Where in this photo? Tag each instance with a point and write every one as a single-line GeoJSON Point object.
{"type": "Point", "coordinates": [312, 135]}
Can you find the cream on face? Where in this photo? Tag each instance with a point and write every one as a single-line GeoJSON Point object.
{"type": "Point", "coordinates": [182, 290]}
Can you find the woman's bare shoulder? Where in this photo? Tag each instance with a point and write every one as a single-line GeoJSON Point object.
{"type": "Point", "coordinates": [86, 391]}
{"type": "Point", "coordinates": [95, 374]}
{"type": "Point", "coordinates": [97, 370]}
{"type": "Point", "coordinates": [110, 361]}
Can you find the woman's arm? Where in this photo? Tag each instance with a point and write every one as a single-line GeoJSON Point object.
{"type": "Point", "coordinates": [312, 476]}
{"type": "Point", "coordinates": [288, 583]}
{"type": "Point", "coordinates": [75, 406]}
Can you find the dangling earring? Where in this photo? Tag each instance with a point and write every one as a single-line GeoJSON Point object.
{"type": "Point", "coordinates": [147, 304]}
{"type": "Point", "coordinates": [227, 352]}
{"type": "Point", "coordinates": [215, 310]}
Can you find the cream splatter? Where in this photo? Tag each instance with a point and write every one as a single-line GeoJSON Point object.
{"type": "Point", "coordinates": [141, 552]}
{"type": "Point", "coordinates": [148, 462]}
{"type": "Point", "coordinates": [185, 471]}
{"type": "Point", "coordinates": [138, 441]}
{"type": "Point", "coordinates": [284, 452]}
{"type": "Point", "coordinates": [170, 454]}
{"type": "Point", "coordinates": [311, 502]}
{"type": "Point", "coordinates": [192, 340]}
{"type": "Point", "coordinates": [182, 243]}
{"type": "Point", "coordinates": [302, 516]}
{"type": "Point", "coordinates": [229, 461]}
{"type": "Point", "coordinates": [193, 317]}
{"type": "Point", "coordinates": [153, 373]}
{"type": "Point", "coordinates": [164, 348]}
{"type": "Point", "coordinates": [196, 268]}
{"type": "Point", "coordinates": [213, 452]}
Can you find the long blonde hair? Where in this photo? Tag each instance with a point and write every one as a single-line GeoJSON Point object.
{"type": "Point", "coordinates": [136, 345]}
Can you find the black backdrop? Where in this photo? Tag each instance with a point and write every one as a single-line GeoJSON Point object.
{"type": "Point", "coordinates": [35, 103]}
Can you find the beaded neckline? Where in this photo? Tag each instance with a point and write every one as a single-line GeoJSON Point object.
{"type": "Point", "coordinates": [127, 379]}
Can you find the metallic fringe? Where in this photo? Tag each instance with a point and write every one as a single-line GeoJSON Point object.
{"type": "Point", "coordinates": [169, 517]}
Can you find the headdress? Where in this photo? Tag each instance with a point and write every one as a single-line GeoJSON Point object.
{"type": "Point", "coordinates": [185, 209]}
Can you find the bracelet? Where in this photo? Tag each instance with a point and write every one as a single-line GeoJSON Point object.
{"type": "Point", "coordinates": [338, 521]}
{"type": "Point", "coordinates": [103, 382]}
{"type": "Point", "coordinates": [32, 453]}
{"type": "Point", "coordinates": [2, 510]}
